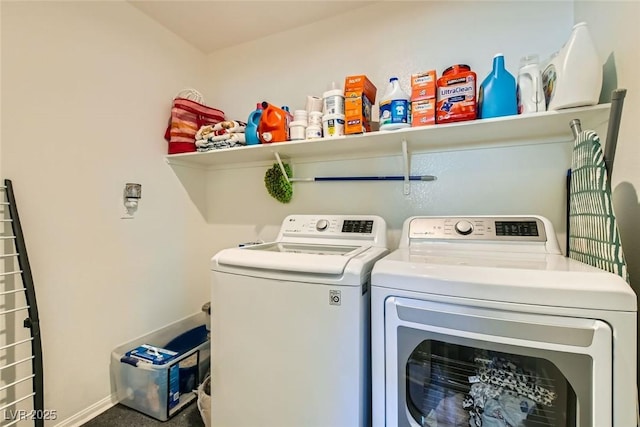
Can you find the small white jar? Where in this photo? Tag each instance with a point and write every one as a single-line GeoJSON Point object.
{"type": "Point", "coordinates": [315, 118]}
{"type": "Point", "coordinates": [313, 132]}
{"type": "Point", "coordinates": [333, 125]}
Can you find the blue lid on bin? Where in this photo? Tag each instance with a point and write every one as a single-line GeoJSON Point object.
{"type": "Point", "coordinates": [149, 354]}
{"type": "Point", "coordinates": [188, 340]}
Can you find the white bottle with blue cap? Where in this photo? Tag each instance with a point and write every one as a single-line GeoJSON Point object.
{"type": "Point", "coordinates": [394, 107]}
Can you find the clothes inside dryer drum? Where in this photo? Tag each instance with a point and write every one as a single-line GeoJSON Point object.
{"type": "Point", "coordinates": [459, 386]}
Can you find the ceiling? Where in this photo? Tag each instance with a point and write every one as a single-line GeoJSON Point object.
{"type": "Point", "coordinates": [210, 25]}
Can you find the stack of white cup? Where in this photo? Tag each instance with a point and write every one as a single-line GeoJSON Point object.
{"type": "Point", "coordinates": [298, 126]}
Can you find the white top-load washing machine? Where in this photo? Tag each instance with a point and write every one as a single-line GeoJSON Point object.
{"type": "Point", "coordinates": [290, 325]}
{"type": "Point", "coordinates": [482, 321]}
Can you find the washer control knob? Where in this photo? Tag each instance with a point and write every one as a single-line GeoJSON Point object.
{"type": "Point", "coordinates": [322, 225]}
{"type": "Point", "coordinates": [463, 227]}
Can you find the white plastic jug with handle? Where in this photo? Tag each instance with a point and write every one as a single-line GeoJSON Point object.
{"type": "Point", "coordinates": [394, 107]}
{"type": "Point", "coordinates": [573, 76]}
{"type": "Point", "coordinates": [530, 92]}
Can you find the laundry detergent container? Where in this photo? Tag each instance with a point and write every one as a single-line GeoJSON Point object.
{"type": "Point", "coordinates": [158, 373]}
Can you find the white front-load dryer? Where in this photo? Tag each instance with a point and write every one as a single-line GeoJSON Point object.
{"type": "Point", "coordinates": [482, 321]}
{"type": "Point", "coordinates": [290, 325]}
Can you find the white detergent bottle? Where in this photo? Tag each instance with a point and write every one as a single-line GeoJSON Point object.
{"type": "Point", "coordinates": [573, 76]}
{"type": "Point", "coordinates": [530, 92]}
{"type": "Point", "coordinates": [394, 107]}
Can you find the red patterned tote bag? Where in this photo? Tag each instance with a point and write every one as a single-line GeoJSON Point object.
{"type": "Point", "coordinates": [187, 117]}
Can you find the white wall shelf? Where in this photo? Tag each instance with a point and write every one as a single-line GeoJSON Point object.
{"type": "Point", "coordinates": [539, 128]}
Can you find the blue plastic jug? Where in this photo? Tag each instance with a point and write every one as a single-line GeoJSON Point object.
{"type": "Point", "coordinates": [497, 95]}
{"type": "Point", "coordinates": [251, 131]}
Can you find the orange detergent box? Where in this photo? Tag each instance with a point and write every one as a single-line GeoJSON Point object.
{"type": "Point", "coordinates": [359, 96]}
{"type": "Point", "coordinates": [423, 85]}
{"type": "Point", "coordinates": [423, 112]}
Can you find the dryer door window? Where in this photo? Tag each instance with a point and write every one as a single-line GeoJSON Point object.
{"type": "Point", "coordinates": [455, 385]}
{"type": "Point", "coordinates": [458, 365]}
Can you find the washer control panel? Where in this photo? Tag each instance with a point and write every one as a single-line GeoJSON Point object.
{"type": "Point", "coordinates": [358, 227]}
{"type": "Point", "coordinates": [502, 229]}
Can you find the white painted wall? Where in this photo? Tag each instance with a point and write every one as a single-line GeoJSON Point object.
{"type": "Point", "coordinates": [86, 95]}
{"type": "Point", "coordinates": [400, 38]}
{"type": "Point", "coordinates": [89, 83]}
{"type": "Point", "coordinates": [392, 39]}
{"type": "Point", "coordinates": [617, 37]}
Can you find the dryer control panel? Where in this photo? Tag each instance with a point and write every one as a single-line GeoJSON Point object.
{"type": "Point", "coordinates": [500, 229]}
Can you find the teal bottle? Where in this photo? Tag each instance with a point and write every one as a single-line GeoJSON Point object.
{"type": "Point", "coordinates": [497, 95]}
{"type": "Point", "coordinates": [251, 131]}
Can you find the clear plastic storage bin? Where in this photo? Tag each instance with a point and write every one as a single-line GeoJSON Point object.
{"type": "Point", "coordinates": [161, 390]}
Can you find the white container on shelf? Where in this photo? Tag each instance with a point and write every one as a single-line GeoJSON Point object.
{"type": "Point", "coordinates": [314, 103]}
{"type": "Point", "coordinates": [333, 125]}
{"type": "Point", "coordinates": [315, 118]}
{"type": "Point", "coordinates": [300, 116]}
{"type": "Point", "coordinates": [333, 100]}
{"type": "Point", "coordinates": [394, 107]}
{"type": "Point", "coordinates": [313, 132]}
{"type": "Point", "coordinates": [573, 76]}
{"type": "Point", "coordinates": [297, 130]}
{"type": "Point", "coordinates": [530, 91]}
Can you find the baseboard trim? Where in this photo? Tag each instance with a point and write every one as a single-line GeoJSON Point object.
{"type": "Point", "coordinates": [90, 412]}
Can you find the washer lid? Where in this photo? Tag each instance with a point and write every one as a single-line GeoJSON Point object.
{"type": "Point", "coordinates": [537, 279]}
{"type": "Point", "coordinates": [297, 257]}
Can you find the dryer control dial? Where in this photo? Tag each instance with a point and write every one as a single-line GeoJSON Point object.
{"type": "Point", "coordinates": [464, 227]}
{"type": "Point", "coordinates": [322, 225]}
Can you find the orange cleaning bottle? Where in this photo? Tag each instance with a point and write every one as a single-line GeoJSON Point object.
{"type": "Point", "coordinates": [274, 124]}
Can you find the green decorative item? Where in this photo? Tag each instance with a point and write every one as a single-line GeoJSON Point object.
{"type": "Point", "coordinates": [277, 185]}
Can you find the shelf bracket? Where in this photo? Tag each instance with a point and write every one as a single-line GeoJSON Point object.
{"type": "Point", "coordinates": [405, 159]}
{"type": "Point", "coordinates": [279, 160]}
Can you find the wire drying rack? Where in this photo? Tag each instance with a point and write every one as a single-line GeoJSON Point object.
{"type": "Point", "coordinates": [21, 370]}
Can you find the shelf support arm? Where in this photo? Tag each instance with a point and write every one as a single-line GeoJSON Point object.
{"type": "Point", "coordinates": [405, 158]}
{"type": "Point", "coordinates": [279, 160]}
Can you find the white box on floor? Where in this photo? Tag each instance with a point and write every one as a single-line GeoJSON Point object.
{"type": "Point", "coordinates": [161, 390]}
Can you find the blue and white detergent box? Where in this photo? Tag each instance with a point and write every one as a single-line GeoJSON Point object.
{"type": "Point", "coordinates": [149, 354]}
